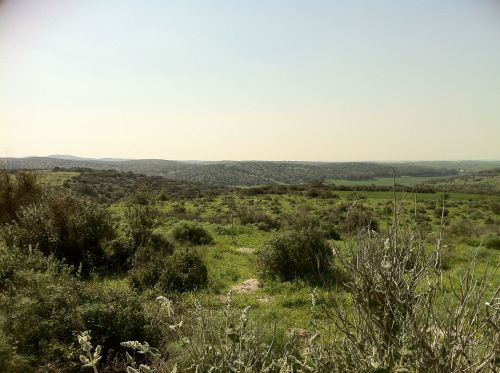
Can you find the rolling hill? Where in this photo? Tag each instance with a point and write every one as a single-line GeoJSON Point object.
{"type": "Point", "coordinates": [246, 173]}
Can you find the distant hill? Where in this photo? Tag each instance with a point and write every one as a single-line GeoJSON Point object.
{"type": "Point", "coordinates": [111, 185]}
{"type": "Point", "coordinates": [246, 173]}
{"type": "Point", "coordinates": [74, 158]}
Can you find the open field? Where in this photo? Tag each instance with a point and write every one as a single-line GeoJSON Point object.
{"type": "Point", "coordinates": [210, 242]}
{"type": "Point", "coordinates": [402, 180]}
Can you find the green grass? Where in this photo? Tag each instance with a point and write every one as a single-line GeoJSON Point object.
{"type": "Point", "coordinates": [387, 181]}
{"type": "Point", "coordinates": [54, 178]}
{"type": "Point", "coordinates": [289, 304]}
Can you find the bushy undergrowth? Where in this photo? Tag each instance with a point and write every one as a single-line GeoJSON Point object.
{"type": "Point", "coordinates": [71, 228]}
{"type": "Point", "coordinates": [184, 270]}
{"type": "Point", "coordinates": [493, 243]}
{"type": "Point", "coordinates": [296, 254]}
{"type": "Point", "coordinates": [358, 219]}
{"type": "Point", "coordinates": [17, 190]}
{"type": "Point", "coordinates": [191, 233]}
{"type": "Point", "coordinates": [38, 309]}
{"type": "Point", "coordinates": [114, 316]}
{"type": "Point", "coordinates": [396, 310]}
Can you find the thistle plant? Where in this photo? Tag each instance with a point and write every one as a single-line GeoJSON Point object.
{"type": "Point", "coordinates": [145, 349]}
{"type": "Point", "coordinates": [88, 358]}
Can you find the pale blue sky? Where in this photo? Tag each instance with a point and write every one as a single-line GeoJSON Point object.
{"type": "Point", "coordinates": [276, 80]}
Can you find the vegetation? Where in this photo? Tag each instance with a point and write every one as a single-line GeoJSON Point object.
{"type": "Point", "coordinates": [311, 277]}
{"type": "Point", "coordinates": [242, 173]}
{"type": "Point", "coordinates": [192, 233]}
{"type": "Point", "coordinates": [295, 254]}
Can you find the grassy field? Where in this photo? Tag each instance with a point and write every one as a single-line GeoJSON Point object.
{"type": "Point", "coordinates": [404, 180]}
{"type": "Point", "coordinates": [55, 178]}
{"type": "Point", "coordinates": [233, 259]}
{"type": "Point", "coordinates": [142, 258]}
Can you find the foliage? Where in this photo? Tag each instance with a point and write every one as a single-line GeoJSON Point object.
{"type": "Point", "coordinates": [113, 316]}
{"type": "Point", "coordinates": [358, 219]}
{"type": "Point", "coordinates": [18, 189]}
{"type": "Point", "coordinates": [193, 233]}
{"type": "Point", "coordinates": [38, 309]}
{"type": "Point", "coordinates": [295, 254]}
{"type": "Point", "coordinates": [184, 271]}
{"type": "Point", "coordinates": [493, 243]}
{"type": "Point", "coordinates": [141, 219]}
{"type": "Point", "coordinates": [111, 185]}
{"type": "Point", "coordinates": [66, 226]}
{"type": "Point", "coordinates": [402, 318]}
{"type": "Point", "coordinates": [149, 261]}
{"type": "Point", "coordinates": [89, 359]}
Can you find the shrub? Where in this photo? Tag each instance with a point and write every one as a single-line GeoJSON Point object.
{"type": "Point", "coordinates": [493, 243]}
{"type": "Point", "coordinates": [404, 318]}
{"type": "Point", "coordinates": [330, 232]}
{"type": "Point", "coordinates": [119, 253]}
{"type": "Point", "coordinates": [114, 316]}
{"type": "Point", "coordinates": [184, 271]}
{"type": "Point", "coordinates": [193, 233]}
{"type": "Point", "coordinates": [17, 189]}
{"type": "Point", "coordinates": [303, 253]}
{"type": "Point", "coordinates": [141, 218]}
{"type": "Point", "coordinates": [38, 309]}
{"type": "Point", "coordinates": [69, 227]}
{"type": "Point", "coordinates": [301, 218]}
{"type": "Point", "coordinates": [148, 262]}
{"type": "Point", "coordinates": [359, 219]}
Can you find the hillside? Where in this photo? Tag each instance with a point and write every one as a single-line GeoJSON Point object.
{"type": "Point", "coordinates": [246, 173]}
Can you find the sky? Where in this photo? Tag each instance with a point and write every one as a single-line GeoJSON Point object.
{"type": "Point", "coordinates": [251, 79]}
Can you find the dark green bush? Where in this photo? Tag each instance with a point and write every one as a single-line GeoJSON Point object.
{"type": "Point", "coordinates": [38, 309]}
{"type": "Point", "coordinates": [330, 232]}
{"type": "Point", "coordinates": [193, 233]}
{"type": "Point", "coordinates": [17, 189]}
{"type": "Point", "coordinates": [69, 227]}
{"type": "Point", "coordinates": [141, 218]}
{"type": "Point", "coordinates": [114, 316]}
{"type": "Point", "coordinates": [119, 253]}
{"type": "Point", "coordinates": [148, 262]}
{"type": "Point", "coordinates": [42, 305]}
{"type": "Point", "coordinates": [122, 252]}
{"type": "Point", "coordinates": [296, 254]}
{"type": "Point", "coordinates": [493, 243]}
{"type": "Point", "coordinates": [184, 271]}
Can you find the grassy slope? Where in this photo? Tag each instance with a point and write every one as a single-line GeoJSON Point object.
{"type": "Point", "coordinates": [290, 303]}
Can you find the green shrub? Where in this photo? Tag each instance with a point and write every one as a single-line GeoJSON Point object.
{"type": "Point", "coordinates": [114, 316]}
{"type": "Point", "coordinates": [148, 262]}
{"type": "Point", "coordinates": [38, 308]}
{"type": "Point", "coordinates": [119, 253]}
{"type": "Point", "coordinates": [330, 232]}
{"type": "Point", "coordinates": [193, 233]}
{"type": "Point", "coordinates": [69, 227]}
{"type": "Point", "coordinates": [493, 243]}
{"type": "Point", "coordinates": [17, 189]}
{"type": "Point", "coordinates": [296, 254]}
{"type": "Point", "coordinates": [141, 219]}
{"type": "Point", "coordinates": [184, 271]}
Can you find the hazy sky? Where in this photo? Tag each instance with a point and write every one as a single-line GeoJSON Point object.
{"type": "Point", "coordinates": [250, 79]}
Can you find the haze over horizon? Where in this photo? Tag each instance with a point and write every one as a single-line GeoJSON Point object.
{"type": "Point", "coordinates": [77, 157]}
{"type": "Point", "coordinates": [275, 80]}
